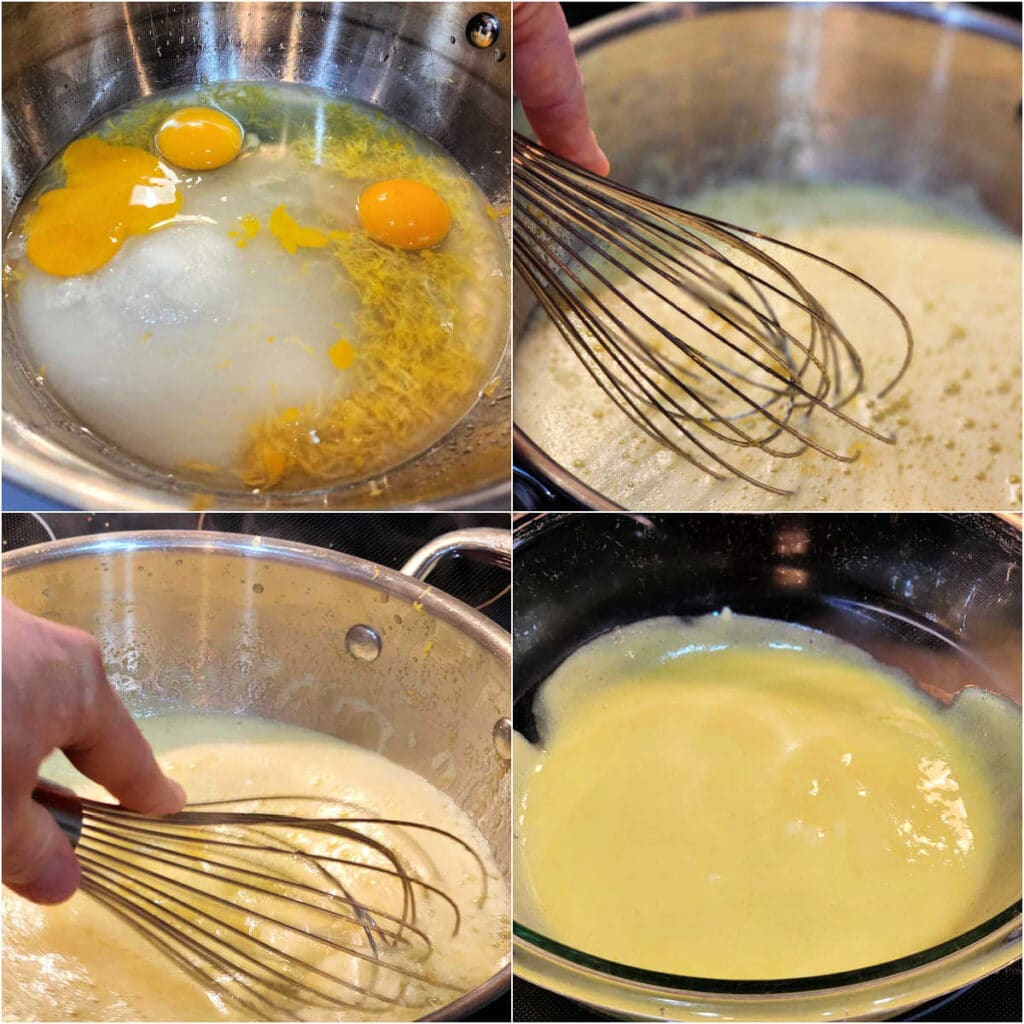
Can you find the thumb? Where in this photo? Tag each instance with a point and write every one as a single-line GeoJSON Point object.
{"type": "Point", "coordinates": [38, 861]}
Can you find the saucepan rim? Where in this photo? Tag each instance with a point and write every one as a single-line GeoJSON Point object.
{"type": "Point", "coordinates": [434, 601]}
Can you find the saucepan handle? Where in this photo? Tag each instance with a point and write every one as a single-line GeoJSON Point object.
{"type": "Point", "coordinates": [482, 543]}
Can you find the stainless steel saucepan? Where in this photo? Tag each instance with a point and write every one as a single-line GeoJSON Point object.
{"type": "Point", "coordinates": [921, 97]}
{"type": "Point", "coordinates": [298, 634]}
{"type": "Point", "coordinates": [65, 65]}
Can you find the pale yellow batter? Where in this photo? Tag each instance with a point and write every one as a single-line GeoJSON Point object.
{"type": "Point", "coordinates": [740, 798]}
{"type": "Point", "coordinates": [78, 962]}
{"type": "Point", "coordinates": [955, 416]}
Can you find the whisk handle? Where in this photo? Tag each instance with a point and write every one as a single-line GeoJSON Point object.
{"type": "Point", "coordinates": [65, 807]}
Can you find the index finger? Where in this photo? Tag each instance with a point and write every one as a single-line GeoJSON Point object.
{"type": "Point", "coordinates": [105, 744]}
{"type": "Point", "coordinates": [549, 85]}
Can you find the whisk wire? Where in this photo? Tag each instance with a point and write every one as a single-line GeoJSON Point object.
{"type": "Point", "coordinates": [186, 929]}
{"type": "Point", "coordinates": [246, 907]}
{"type": "Point", "coordinates": [130, 913]}
{"type": "Point", "coordinates": [198, 912]}
{"type": "Point", "coordinates": [655, 359]}
{"type": "Point", "coordinates": [613, 384]}
{"type": "Point", "coordinates": [358, 917]}
{"type": "Point", "coordinates": [669, 269]}
{"type": "Point", "coordinates": [656, 257]}
{"type": "Point", "coordinates": [610, 383]}
{"type": "Point", "coordinates": [667, 220]}
{"type": "Point", "coordinates": [579, 239]}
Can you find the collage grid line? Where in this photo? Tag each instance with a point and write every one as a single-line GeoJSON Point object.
{"type": "Point", "coordinates": [511, 511]}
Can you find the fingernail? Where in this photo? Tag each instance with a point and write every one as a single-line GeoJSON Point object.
{"type": "Point", "coordinates": [601, 153]}
{"type": "Point", "coordinates": [178, 792]}
{"type": "Point", "coordinates": [170, 799]}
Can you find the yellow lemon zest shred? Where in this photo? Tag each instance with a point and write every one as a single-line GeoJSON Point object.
{"type": "Point", "coordinates": [199, 466]}
{"type": "Point", "coordinates": [291, 234]}
{"type": "Point", "coordinates": [412, 369]}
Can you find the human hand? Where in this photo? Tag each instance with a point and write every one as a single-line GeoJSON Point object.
{"type": "Point", "coordinates": [549, 85]}
{"type": "Point", "coordinates": [56, 695]}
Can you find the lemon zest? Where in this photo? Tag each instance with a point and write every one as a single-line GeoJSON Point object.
{"type": "Point", "coordinates": [199, 466]}
{"type": "Point", "coordinates": [412, 371]}
{"type": "Point", "coordinates": [291, 234]}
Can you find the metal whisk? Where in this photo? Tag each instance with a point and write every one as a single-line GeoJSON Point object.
{"type": "Point", "coordinates": [251, 907]}
{"type": "Point", "coordinates": [706, 341]}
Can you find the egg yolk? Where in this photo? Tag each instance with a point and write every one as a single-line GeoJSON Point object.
{"type": "Point", "coordinates": [404, 214]}
{"type": "Point", "coordinates": [199, 138]}
{"type": "Point", "coordinates": [342, 353]}
{"type": "Point", "coordinates": [110, 192]}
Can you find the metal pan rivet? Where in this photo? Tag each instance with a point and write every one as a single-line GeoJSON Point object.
{"type": "Point", "coordinates": [483, 30]}
{"type": "Point", "coordinates": [363, 643]}
{"type": "Point", "coordinates": [501, 734]}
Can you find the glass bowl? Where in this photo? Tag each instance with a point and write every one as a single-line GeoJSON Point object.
{"type": "Point", "coordinates": [936, 596]}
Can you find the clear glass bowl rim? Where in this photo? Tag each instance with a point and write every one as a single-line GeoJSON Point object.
{"type": "Point", "coordinates": [779, 986]}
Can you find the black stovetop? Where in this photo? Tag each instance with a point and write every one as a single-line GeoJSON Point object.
{"type": "Point", "coordinates": [996, 998]}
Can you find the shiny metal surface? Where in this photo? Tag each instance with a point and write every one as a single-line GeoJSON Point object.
{"type": "Point", "coordinates": [918, 96]}
{"type": "Point", "coordinates": [65, 65]}
{"type": "Point", "coordinates": [249, 624]}
{"type": "Point", "coordinates": [483, 30]}
{"type": "Point", "coordinates": [494, 546]}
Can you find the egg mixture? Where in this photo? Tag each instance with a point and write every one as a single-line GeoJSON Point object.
{"type": "Point", "coordinates": [78, 961]}
{"type": "Point", "coordinates": [731, 797]}
{"type": "Point", "coordinates": [955, 416]}
{"type": "Point", "coordinates": [259, 286]}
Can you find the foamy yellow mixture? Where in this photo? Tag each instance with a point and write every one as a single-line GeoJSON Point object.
{"type": "Point", "coordinates": [259, 286]}
{"type": "Point", "coordinates": [955, 416]}
{"type": "Point", "coordinates": [738, 798]}
{"type": "Point", "coordinates": [78, 961]}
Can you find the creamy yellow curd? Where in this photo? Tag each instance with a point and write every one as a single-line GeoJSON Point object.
{"type": "Point", "coordinates": [955, 416]}
{"type": "Point", "coordinates": [79, 962]}
{"type": "Point", "coordinates": [739, 798]}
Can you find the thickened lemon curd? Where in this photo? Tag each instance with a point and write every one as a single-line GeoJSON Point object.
{"type": "Point", "coordinates": [79, 961]}
{"type": "Point", "coordinates": [954, 417]}
{"type": "Point", "coordinates": [738, 798]}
